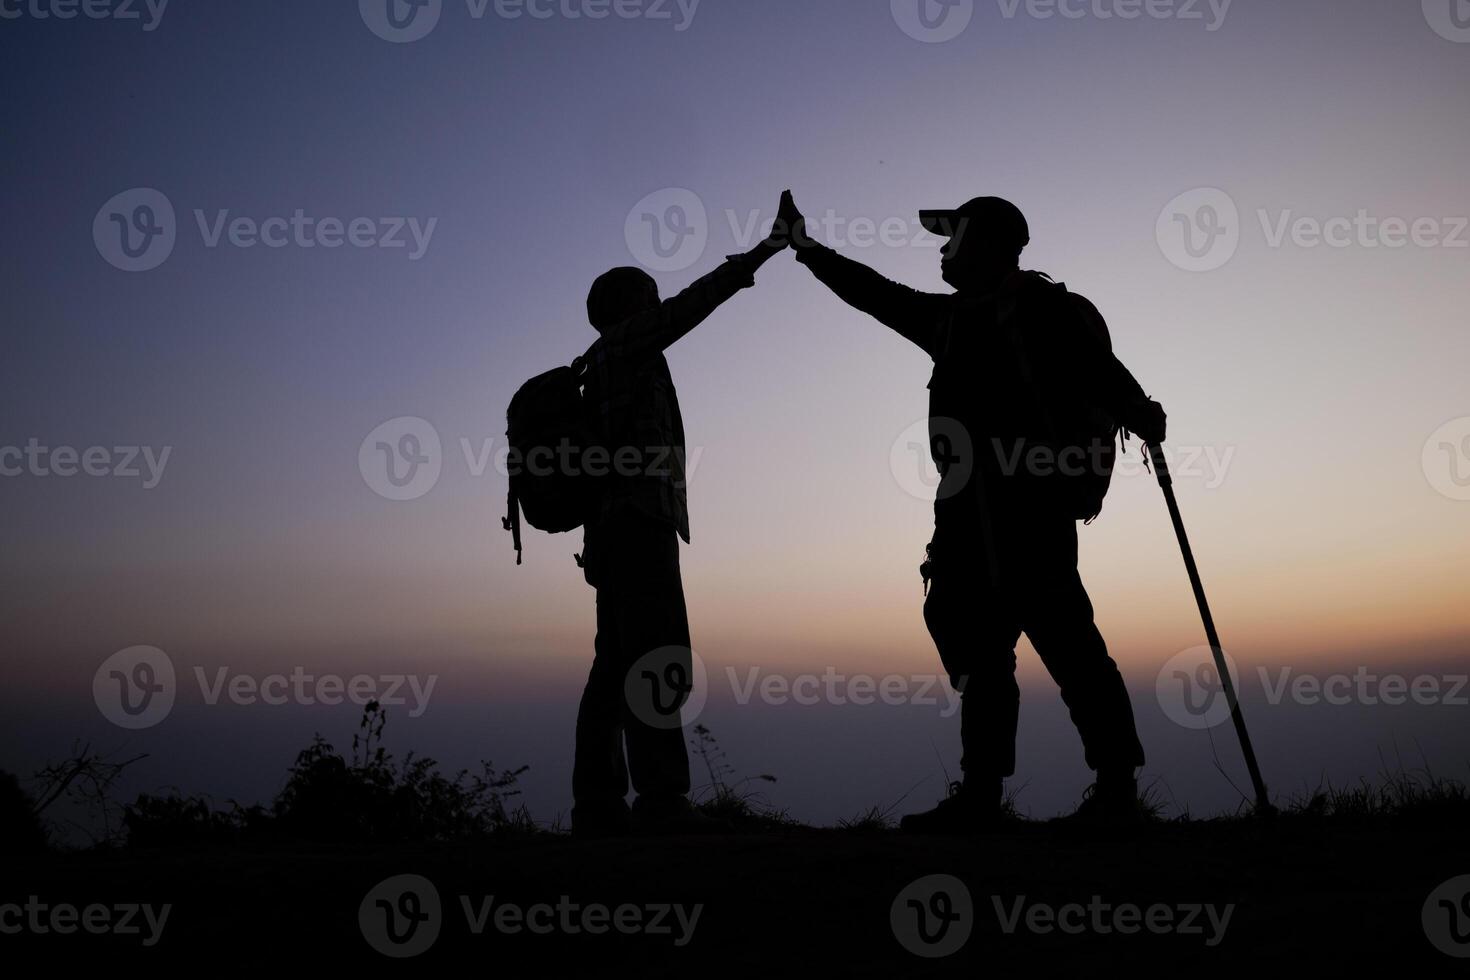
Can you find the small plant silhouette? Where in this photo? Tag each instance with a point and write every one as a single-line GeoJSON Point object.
{"type": "Point", "coordinates": [731, 801]}
{"type": "Point", "coordinates": [368, 798]}
{"type": "Point", "coordinates": [372, 798]}
{"type": "Point", "coordinates": [85, 781]}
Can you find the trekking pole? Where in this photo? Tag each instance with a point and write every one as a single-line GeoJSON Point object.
{"type": "Point", "coordinates": [1166, 483]}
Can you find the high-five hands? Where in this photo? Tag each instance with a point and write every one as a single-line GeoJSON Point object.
{"type": "Point", "coordinates": [788, 231]}
{"type": "Point", "coordinates": [790, 226]}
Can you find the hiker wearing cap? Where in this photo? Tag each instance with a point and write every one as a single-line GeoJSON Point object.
{"type": "Point", "coordinates": [1026, 402]}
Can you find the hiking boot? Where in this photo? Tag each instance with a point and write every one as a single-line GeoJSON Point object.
{"type": "Point", "coordinates": [674, 816]}
{"type": "Point", "coordinates": [1111, 803]}
{"type": "Point", "coordinates": [598, 820]}
{"type": "Point", "coordinates": [966, 810]}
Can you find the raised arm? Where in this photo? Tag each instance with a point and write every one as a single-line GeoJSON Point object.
{"type": "Point", "coordinates": [913, 315]}
{"type": "Point", "coordinates": [659, 328]}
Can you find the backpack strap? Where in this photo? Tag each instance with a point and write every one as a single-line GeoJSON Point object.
{"type": "Point", "coordinates": [512, 522]}
{"type": "Point", "coordinates": [581, 365]}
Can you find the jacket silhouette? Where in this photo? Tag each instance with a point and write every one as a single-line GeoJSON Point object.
{"type": "Point", "coordinates": [1023, 388]}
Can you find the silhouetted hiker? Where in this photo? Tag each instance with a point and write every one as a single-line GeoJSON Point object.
{"type": "Point", "coordinates": [1023, 375]}
{"type": "Point", "coordinates": [631, 553]}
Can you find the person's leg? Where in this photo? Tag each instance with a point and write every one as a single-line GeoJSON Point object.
{"type": "Point", "coordinates": [599, 775]}
{"type": "Point", "coordinates": [1058, 618]}
{"type": "Point", "coordinates": [654, 621]}
{"type": "Point", "coordinates": [975, 634]}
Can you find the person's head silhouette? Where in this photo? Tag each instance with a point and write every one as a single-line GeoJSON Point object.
{"type": "Point", "coordinates": [986, 236]}
{"type": "Point", "coordinates": [619, 294]}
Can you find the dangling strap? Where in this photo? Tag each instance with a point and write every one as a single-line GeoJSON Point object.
{"type": "Point", "coordinates": [512, 522]}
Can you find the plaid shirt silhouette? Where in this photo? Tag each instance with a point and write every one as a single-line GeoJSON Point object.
{"type": "Point", "coordinates": [635, 406]}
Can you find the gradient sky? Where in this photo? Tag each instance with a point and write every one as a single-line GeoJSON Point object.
{"type": "Point", "coordinates": [1318, 372]}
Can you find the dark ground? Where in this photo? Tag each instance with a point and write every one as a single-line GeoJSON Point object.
{"type": "Point", "coordinates": [1318, 895]}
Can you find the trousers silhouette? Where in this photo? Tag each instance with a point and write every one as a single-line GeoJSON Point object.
{"type": "Point", "coordinates": [976, 613]}
{"type": "Point", "coordinates": [633, 562]}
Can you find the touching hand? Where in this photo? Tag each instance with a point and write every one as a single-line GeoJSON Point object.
{"type": "Point", "coordinates": [790, 227]}
{"type": "Point", "coordinates": [1150, 423]}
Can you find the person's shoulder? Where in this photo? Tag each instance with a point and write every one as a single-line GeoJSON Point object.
{"type": "Point", "coordinates": [1088, 319]}
{"type": "Point", "coordinates": [1086, 309]}
{"type": "Point", "coordinates": [1050, 290]}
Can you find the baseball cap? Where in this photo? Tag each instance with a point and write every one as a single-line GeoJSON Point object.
{"type": "Point", "coordinates": [993, 218]}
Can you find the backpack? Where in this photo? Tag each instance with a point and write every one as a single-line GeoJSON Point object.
{"type": "Point", "coordinates": [1098, 428]}
{"type": "Point", "coordinates": [549, 429]}
{"type": "Point", "coordinates": [1083, 425]}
